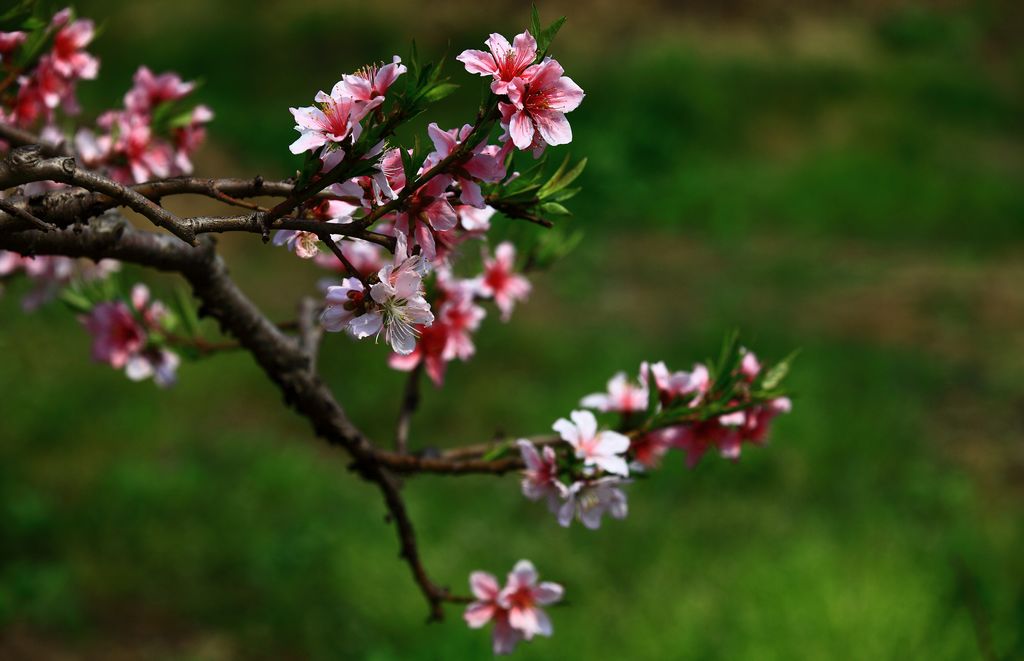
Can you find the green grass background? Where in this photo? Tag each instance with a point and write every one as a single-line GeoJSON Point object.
{"type": "Point", "coordinates": [845, 179]}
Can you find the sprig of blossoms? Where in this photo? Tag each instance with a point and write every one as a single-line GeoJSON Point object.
{"type": "Point", "coordinates": [691, 411]}
{"type": "Point", "coordinates": [515, 608]}
{"type": "Point", "coordinates": [127, 335]}
{"type": "Point", "coordinates": [139, 142]}
{"type": "Point", "coordinates": [48, 83]}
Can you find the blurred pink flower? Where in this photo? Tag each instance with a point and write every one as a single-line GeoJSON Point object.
{"type": "Point", "coordinates": [501, 282]}
{"type": "Point", "coordinates": [623, 396]}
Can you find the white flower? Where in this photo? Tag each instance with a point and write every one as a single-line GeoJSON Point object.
{"type": "Point", "coordinates": [601, 449]}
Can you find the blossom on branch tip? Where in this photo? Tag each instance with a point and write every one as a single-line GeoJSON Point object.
{"type": "Point", "coordinates": [539, 100]}
{"type": "Point", "coordinates": [602, 450]}
{"type": "Point", "coordinates": [504, 62]}
{"type": "Point", "coordinates": [331, 122]}
{"type": "Point", "coordinates": [372, 81]}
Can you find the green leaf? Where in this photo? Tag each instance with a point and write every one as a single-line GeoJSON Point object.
{"type": "Point", "coordinates": [554, 209]}
{"type": "Point", "coordinates": [408, 166]}
{"type": "Point", "coordinates": [774, 376]}
{"type": "Point", "coordinates": [561, 178]}
{"type": "Point", "coordinates": [439, 91]}
{"type": "Point", "coordinates": [543, 36]}
{"type": "Point", "coordinates": [76, 300]}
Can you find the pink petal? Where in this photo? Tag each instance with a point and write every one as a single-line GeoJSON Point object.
{"type": "Point", "coordinates": [521, 130]}
{"type": "Point", "coordinates": [479, 62]}
{"type": "Point", "coordinates": [553, 127]}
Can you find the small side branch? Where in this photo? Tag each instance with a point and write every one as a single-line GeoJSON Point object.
{"type": "Point", "coordinates": [410, 402]}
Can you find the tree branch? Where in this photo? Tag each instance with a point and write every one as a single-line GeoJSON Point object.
{"type": "Point", "coordinates": [25, 165]}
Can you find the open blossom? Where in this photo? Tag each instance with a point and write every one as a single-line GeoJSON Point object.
{"type": "Point", "coordinates": [395, 305]}
{"type": "Point", "coordinates": [674, 385]}
{"type": "Point", "coordinates": [505, 62]}
{"type": "Point", "coordinates": [523, 596]}
{"type": "Point", "coordinates": [514, 609]}
{"type": "Point", "coordinates": [486, 609]}
{"type": "Point", "coordinates": [430, 211]}
{"type": "Point", "coordinates": [69, 58]}
{"type": "Point", "coordinates": [500, 280]}
{"type": "Point", "coordinates": [540, 477]}
{"type": "Point", "coordinates": [150, 90]}
{"type": "Point", "coordinates": [602, 450]}
{"type": "Point", "coordinates": [474, 219]}
{"type": "Point", "coordinates": [331, 123]}
{"type": "Point", "coordinates": [539, 101]}
{"type": "Point", "coordinates": [117, 334]}
{"type": "Point", "coordinates": [429, 351]}
{"type": "Point", "coordinates": [623, 395]}
{"type": "Point", "coordinates": [372, 81]}
{"type": "Point", "coordinates": [484, 163]}
{"type": "Point", "coordinates": [590, 500]}
{"type": "Point", "coordinates": [51, 273]}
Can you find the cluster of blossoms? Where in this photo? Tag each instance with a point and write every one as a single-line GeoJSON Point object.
{"type": "Point", "coordinates": [442, 207]}
{"type": "Point", "coordinates": [128, 335]}
{"type": "Point", "coordinates": [685, 415]}
{"type": "Point", "coordinates": [145, 140]}
{"type": "Point", "coordinates": [514, 609]}
{"type": "Point", "coordinates": [50, 274]}
{"type": "Point", "coordinates": [148, 138]}
{"type": "Point", "coordinates": [50, 83]}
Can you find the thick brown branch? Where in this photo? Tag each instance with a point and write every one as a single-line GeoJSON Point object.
{"type": "Point", "coordinates": [25, 165]}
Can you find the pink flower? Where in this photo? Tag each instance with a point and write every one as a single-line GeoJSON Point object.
{"type": "Point", "coordinates": [428, 211]}
{"type": "Point", "coordinates": [151, 90]}
{"type": "Point", "coordinates": [9, 41]}
{"type": "Point", "coordinates": [487, 609]}
{"type": "Point", "coordinates": [330, 124]}
{"type": "Point", "coordinates": [482, 164]}
{"type": "Point", "coordinates": [117, 336]}
{"type": "Point", "coordinates": [69, 58]}
{"type": "Point", "coordinates": [750, 367]}
{"type": "Point", "coordinates": [622, 396]}
{"type": "Point", "coordinates": [523, 597]}
{"type": "Point", "coordinates": [675, 385]}
{"type": "Point", "coordinates": [147, 157]}
{"type": "Point", "coordinates": [504, 62]}
{"type": "Point", "coordinates": [474, 219]}
{"type": "Point", "coordinates": [590, 500]}
{"type": "Point", "coordinates": [189, 137]}
{"type": "Point", "coordinates": [540, 478]}
{"type": "Point", "coordinates": [395, 306]}
{"type": "Point", "coordinates": [372, 81]}
{"type": "Point", "coordinates": [514, 609]}
{"type": "Point", "coordinates": [460, 315]}
{"type": "Point", "coordinates": [430, 350]}
{"type": "Point", "coordinates": [501, 282]}
{"type": "Point", "coordinates": [540, 100]}
{"type": "Point", "coordinates": [649, 449]}
{"type": "Point", "coordinates": [602, 450]}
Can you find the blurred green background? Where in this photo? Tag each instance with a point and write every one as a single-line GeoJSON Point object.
{"type": "Point", "coordinates": [843, 177]}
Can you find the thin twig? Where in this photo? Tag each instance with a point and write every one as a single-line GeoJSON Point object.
{"type": "Point", "coordinates": [18, 212]}
{"type": "Point", "coordinates": [410, 402]}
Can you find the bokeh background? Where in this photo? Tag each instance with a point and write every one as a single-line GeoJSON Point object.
{"type": "Point", "coordinates": [843, 177]}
